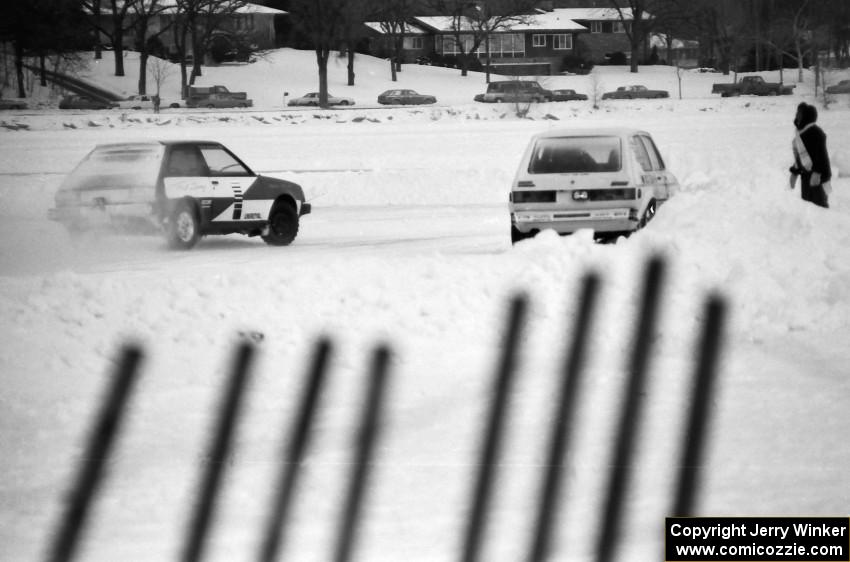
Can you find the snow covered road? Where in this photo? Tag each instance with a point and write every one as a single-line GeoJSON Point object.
{"type": "Point", "coordinates": [409, 243]}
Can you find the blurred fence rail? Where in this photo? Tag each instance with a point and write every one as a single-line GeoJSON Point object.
{"type": "Point", "coordinates": [64, 542]}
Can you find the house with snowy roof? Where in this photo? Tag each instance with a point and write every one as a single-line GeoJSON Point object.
{"type": "Point", "coordinates": [546, 42]}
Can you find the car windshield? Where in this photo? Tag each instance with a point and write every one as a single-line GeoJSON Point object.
{"type": "Point", "coordinates": [566, 155]}
{"type": "Point", "coordinates": [116, 166]}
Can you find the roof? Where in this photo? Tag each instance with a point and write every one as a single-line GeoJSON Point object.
{"type": "Point", "coordinates": [547, 21]}
{"type": "Point", "coordinates": [597, 14]}
{"type": "Point", "coordinates": [409, 29]}
{"type": "Point", "coordinates": [170, 7]}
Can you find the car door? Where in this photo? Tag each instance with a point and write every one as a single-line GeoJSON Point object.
{"type": "Point", "coordinates": [229, 180]}
{"type": "Point", "coordinates": [663, 179]}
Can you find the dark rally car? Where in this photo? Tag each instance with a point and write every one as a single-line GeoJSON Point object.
{"type": "Point", "coordinates": [187, 189]}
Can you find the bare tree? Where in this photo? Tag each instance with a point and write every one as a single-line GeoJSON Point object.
{"type": "Point", "coordinates": [721, 24]}
{"type": "Point", "coordinates": [393, 17]}
{"type": "Point", "coordinates": [596, 89]}
{"type": "Point", "coordinates": [640, 17]}
{"type": "Point", "coordinates": [792, 33]}
{"type": "Point", "coordinates": [159, 70]}
{"type": "Point", "coordinates": [500, 15]}
{"type": "Point", "coordinates": [356, 14]}
{"type": "Point", "coordinates": [41, 28]}
{"type": "Point", "coordinates": [120, 25]}
{"type": "Point", "coordinates": [144, 11]}
{"type": "Point", "coordinates": [472, 23]}
{"type": "Point", "coordinates": [323, 21]}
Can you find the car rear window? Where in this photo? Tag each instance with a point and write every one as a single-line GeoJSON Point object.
{"type": "Point", "coordinates": [116, 167]}
{"type": "Point", "coordinates": [569, 155]}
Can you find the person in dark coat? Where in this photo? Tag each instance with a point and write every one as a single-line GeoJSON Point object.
{"type": "Point", "coordinates": [811, 159]}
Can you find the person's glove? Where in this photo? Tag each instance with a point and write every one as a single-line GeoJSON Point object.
{"type": "Point", "coordinates": [815, 179]}
{"type": "Point", "coordinates": [827, 187]}
{"type": "Point", "coordinates": [792, 181]}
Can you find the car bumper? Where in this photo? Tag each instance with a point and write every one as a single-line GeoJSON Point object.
{"type": "Point", "coordinates": [97, 216]}
{"type": "Point", "coordinates": [567, 221]}
{"type": "Point", "coordinates": [306, 209]}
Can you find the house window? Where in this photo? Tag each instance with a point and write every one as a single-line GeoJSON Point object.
{"type": "Point", "coordinates": [504, 45]}
{"type": "Point", "coordinates": [538, 40]}
{"type": "Point", "coordinates": [562, 42]}
{"type": "Point", "coordinates": [450, 46]}
{"type": "Point", "coordinates": [596, 27]}
{"type": "Point", "coordinates": [413, 43]}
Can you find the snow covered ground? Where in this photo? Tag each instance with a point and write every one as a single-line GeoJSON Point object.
{"type": "Point", "coordinates": [409, 244]}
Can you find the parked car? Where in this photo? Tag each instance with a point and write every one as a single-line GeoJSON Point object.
{"type": "Point", "coordinates": [85, 102]}
{"type": "Point", "coordinates": [405, 97]}
{"type": "Point", "coordinates": [138, 101]}
{"type": "Point", "coordinates": [312, 99]}
{"type": "Point", "coordinates": [752, 85]}
{"type": "Point", "coordinates": [515, 91]}
{"type": "Point", "coordinates": [567, 95]}
{"type": "Point", "coordinates": [610, 180]}
{"type": "Point", "coordinates": [842, 87]}
{"type": "Point", "coordinates": [186, 189]}
{"type": "Point", "coordinates": [216, 97]}
{"type": "Point", "coordinates": [13, 104]}
{"type": "Point", "coordinates": [636, 91]}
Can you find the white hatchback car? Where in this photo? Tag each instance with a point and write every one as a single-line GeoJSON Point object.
{"type": "Point", "coordinates": [609, 180]}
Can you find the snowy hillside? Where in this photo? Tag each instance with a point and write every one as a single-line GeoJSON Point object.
{"type": "Point", "coordinates": [408, 243]}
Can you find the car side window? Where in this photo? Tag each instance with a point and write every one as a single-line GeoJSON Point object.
{"type": "Point", "coordinates": [185, 161]}
{"type": "Point", "coordinates": [641, 154]}
{"type": "Point", "coordinates": [222, 163]}
{"type": "Point", "coordinates": [652, 151]}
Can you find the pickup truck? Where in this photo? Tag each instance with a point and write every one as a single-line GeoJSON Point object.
{"type": "Point", "coordinates": [752, 85]}
{"type": "Point", "coordinates": [216, 96]}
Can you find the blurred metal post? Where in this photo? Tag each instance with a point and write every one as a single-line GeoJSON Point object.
{"type": "Point", "coordinates": [367, 436]}
{"type": "Point", "coordinates": [98, 450]}
{"type": "Point", "coordinates": [631, 413]}
{"type": "Point", "coordinates": [220, 445]}
{"type": "Point", "coordinates": [694, 437]}
{"type": "Point", "coordinates": [294, 453]}
{"type": "Point", "coordinates": [559, 440]}
{"type": "Point", "coordinates": [493, 433]}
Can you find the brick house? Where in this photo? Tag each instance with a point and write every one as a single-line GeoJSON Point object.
{"type": "Point", "coordinates": [606, 35]}
{"type": "Point", "coordinates": [548, 42]}
{"type": "Point", "coordinates": [251, 24]}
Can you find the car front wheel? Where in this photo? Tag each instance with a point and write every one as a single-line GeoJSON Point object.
{"type": "Point", "coordinates": [283, 225]}
{"type": "Point", "coordinates": [184, 226]}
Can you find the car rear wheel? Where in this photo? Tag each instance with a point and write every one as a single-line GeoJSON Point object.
{"type": "Point", "coordinates": [283, 225]}
{"type": "Point", "coordinates": [184, 226]}
{"type": "Point", "coordinates": [210, 106]}
{"type": "Point", "coordinates": [517, 235]}
{"type": "Point", "coordinates": [648, 214]}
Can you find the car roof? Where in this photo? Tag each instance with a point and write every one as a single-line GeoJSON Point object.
{"type": "Point", "coordinates": [595, 132]}
{"type": "Point", "coordinates": [142, 143]}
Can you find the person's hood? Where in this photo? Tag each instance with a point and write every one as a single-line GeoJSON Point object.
{"type": "Point", "coordinates": [806, 115]}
